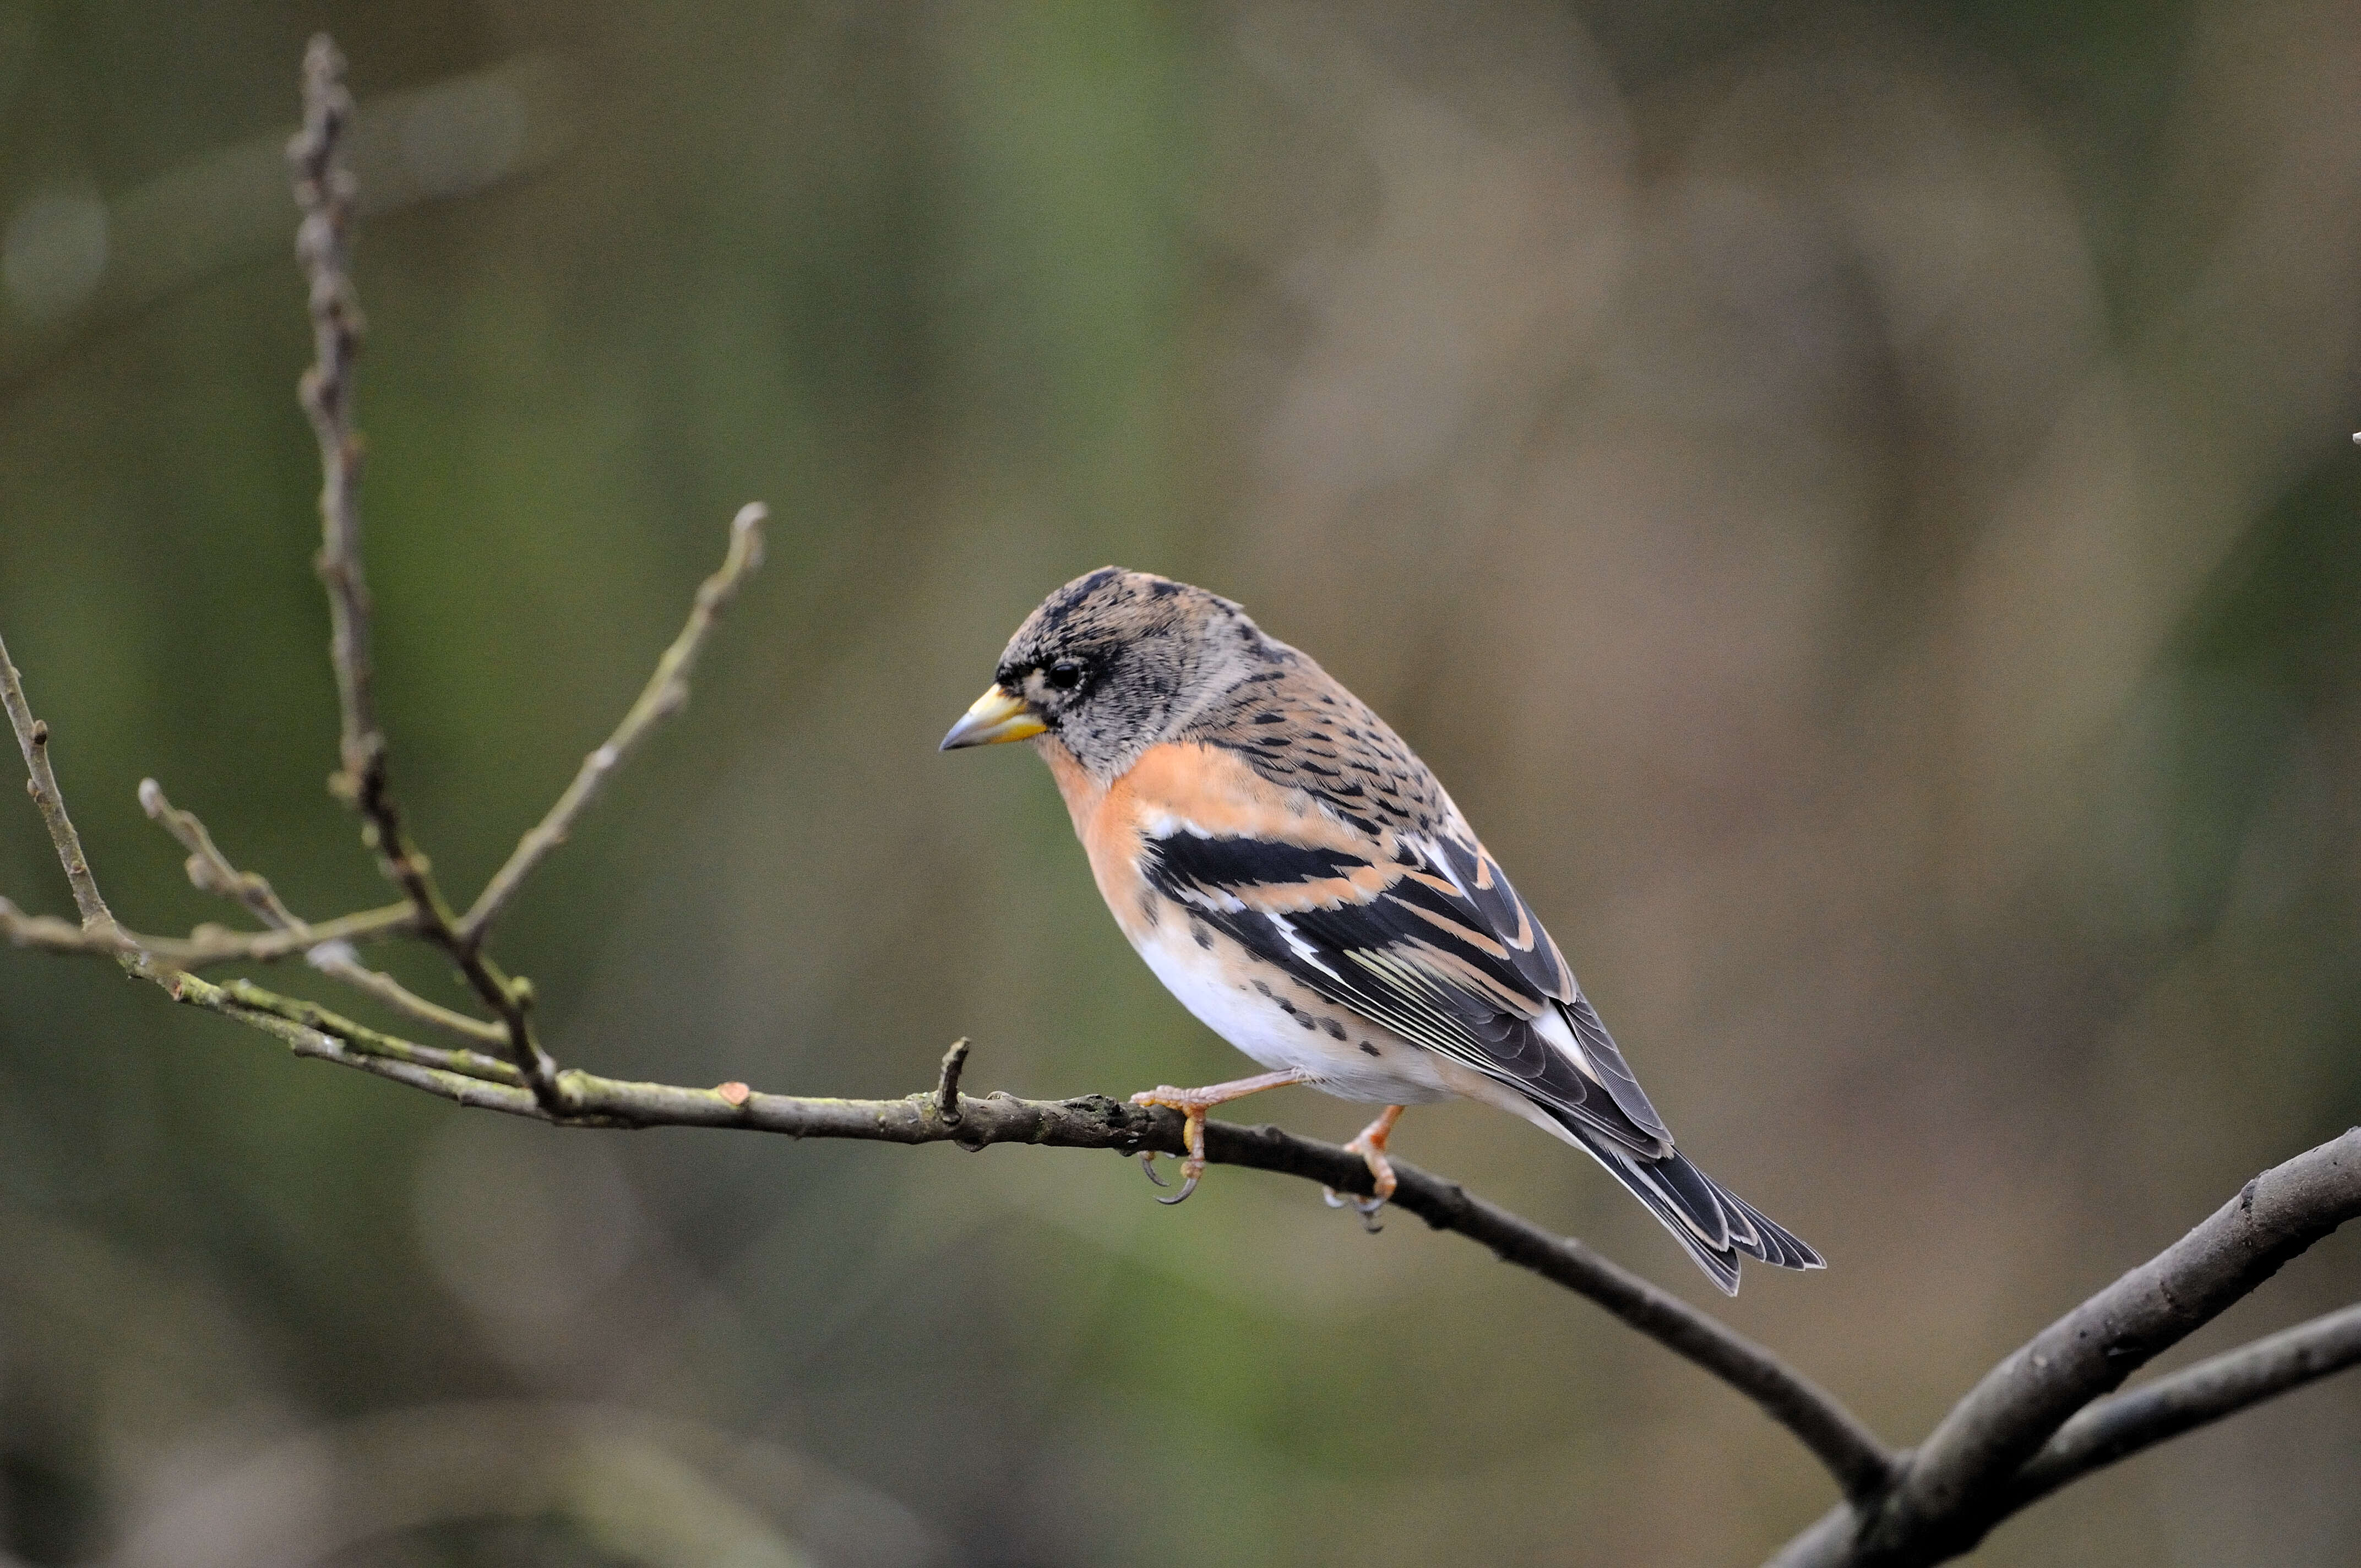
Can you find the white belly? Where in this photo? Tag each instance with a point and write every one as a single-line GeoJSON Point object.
{"type": "Point", "coordinates": [1281, 1025]}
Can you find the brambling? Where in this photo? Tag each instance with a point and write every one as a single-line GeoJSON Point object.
{"type": "Point", "coordinates": [1295, 876]}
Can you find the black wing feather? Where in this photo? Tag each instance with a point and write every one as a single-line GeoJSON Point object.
{"type": "Point", "coordinates": [1600, 1045]}
{"type": "Point", "coordinates": [1440, 968]}
{"type": "Point", "coordinates": [1440, 948]}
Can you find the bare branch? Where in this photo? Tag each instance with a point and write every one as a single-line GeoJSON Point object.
{"type": "Point", "coordinates": [99, 933]}
{"type": "Point", "coordinates": [1836, 1438]}
{"type": "Point", "coordinates": [323, 189]}
{"type": "Point", "coordinates": [47, 933]}
{"type": "Point", "coordinates": [1823, 1426]}
{"type": "Point", "coordinates": [460, 1089]}
{"type": "Point", "coordinates": [2120, 1427]}
{"type": "Point", "coordinates": [666, 691]}
{"type": "Point", "coordinates": [332, 955]}
{"type": "Point", "coordinates": [244, 998]}
{"type": "Point", "coordinates": [1961, 1482]}
{"type": "Point", "coordinates": [2006, 1419]}
{"type": "Point", "coordinates": [202, 948]}
{"type": "Point", "coordinates": [512, 998]}
{"type": "Point", "coordinates": [338, 961]}
{"type": "Point", "coordinates": [209, 870]}
{"type": "Point", "coordinates": [42, 780]}
{"type": "Point", "coordinates": [416, 1069]}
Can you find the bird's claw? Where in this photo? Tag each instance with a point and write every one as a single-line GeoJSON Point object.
{"type": "Point", "coordinates": [1192, 1138]}
{"type": "Point", "coordinates": [1371, 1147]}
{"type": "Point", "coordinates": [1192, 1168]}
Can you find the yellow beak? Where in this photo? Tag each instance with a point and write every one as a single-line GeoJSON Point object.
{"type": "Point", "coordinates": [997, 717]}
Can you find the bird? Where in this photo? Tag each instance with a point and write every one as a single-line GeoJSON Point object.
{"type": "Point", "coordinates": [1303, 885]}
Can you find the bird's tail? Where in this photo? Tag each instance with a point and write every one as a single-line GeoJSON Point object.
{"type": "Point", "coordinates": [1714, 1224]}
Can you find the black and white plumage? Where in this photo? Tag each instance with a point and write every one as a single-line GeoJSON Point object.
{"type": "Point", "coordinates": [1300, 881]}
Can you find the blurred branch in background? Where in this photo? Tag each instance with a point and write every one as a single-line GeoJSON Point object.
{"type": "Point", "coordinates": [73, 258]}
{"type": "Point", "coordinates": [2037, 1422]}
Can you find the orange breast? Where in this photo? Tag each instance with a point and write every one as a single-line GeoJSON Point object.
{"type": "Point", "coordinates": [1208, 788]}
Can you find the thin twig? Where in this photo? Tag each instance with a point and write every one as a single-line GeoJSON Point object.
{"type": "Point", "coordinates": [461, 1089]}
{"type": "Point", "coordinates": [48, 934]}
{"type": "Point", "coordinates": [306, 1041]}
{"type": "Point", "coordinates": [202, 948]}
{"type": "Point", "coordinates": [666, 691]}
{"type": "Point", "coordinates": [242, 997]}
{"type": "Point", "coordinates": [212, 871]}
{"type": "Point", "coordinates": [511, 998]}
{"type": "Point", "coordinates": [42, 780]}
{"type": "Point", "coordinates": [338, 961]}
{"type": "Point", "coordinates": [324, 189]}
{"type": "Point", "coordinates": [209, 870]}
{"type": "Point", "coordinates": [947, 1094]}
{"type": "Point", "coordinates": [2123, 1425]}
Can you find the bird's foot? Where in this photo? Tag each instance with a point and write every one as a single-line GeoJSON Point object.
{"type": "Point", "coordinates": [1371, 1147]}
{"type": "Point", "coordinates": [1193, 1137]}
{"type": "Point", "coordinates": [1193, 1105]}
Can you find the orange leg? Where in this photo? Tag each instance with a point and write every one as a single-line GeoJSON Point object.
{"type": "Point", "coordinates": [1371, 1147]}
{"type": "Point", "coordinates": [1193, 1103]}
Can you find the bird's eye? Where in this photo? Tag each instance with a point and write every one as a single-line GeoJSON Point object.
{"type": "Point", "coordinates": [1065, 674]}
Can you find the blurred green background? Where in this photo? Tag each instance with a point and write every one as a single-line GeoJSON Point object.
{"type": "Point", "coordinates": [1856, 500]}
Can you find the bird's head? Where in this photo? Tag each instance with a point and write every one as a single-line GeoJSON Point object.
{"type": "Point", "coordinates": [1112, 664]}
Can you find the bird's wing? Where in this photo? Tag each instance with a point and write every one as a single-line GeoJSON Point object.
{"type": "Point", "coordinates": [1423, 933]}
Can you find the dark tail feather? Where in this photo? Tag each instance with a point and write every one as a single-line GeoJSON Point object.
{"type": "Point", "coordinates": [1714, 1224]}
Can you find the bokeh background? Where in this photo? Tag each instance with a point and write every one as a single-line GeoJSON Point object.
{"type": "Point", "coordinates": [1856, 500]}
